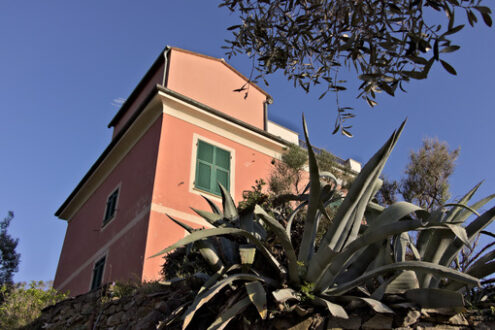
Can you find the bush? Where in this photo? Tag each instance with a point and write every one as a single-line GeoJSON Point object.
{"type": "Point", "coordinates": [23, 303]}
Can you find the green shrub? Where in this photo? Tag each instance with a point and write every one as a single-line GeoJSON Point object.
{"type": "Point", "coordinates": [23, 303]}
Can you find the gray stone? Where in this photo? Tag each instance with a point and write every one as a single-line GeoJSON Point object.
{"type": "Point", "coordinates": [149, 321]}
{"type": "Point", "coordinates": [411, 318]}
{"type": "Point", "coordinates": [379, 321]}
{"type": "Point", "coordinates": [353, 322]}
{"type": "Point", "coordinates": [304, 325]}
{"type": "Point", "coordinates": [87, 309]}
{"type": "Point", "coordinates": [162, 307]}
{"type": "Point", "coordinates": [115, 319]}
{"type": "Point", "coordinates": [458, 319]}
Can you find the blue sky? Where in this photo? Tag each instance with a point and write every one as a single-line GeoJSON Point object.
{"type": "Point", "coordinates": [63, 63]}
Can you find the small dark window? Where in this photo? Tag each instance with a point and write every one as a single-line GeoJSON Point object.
{"type": "Point", "coordinates": [111, 206]}
{"type": "Point", "coordinates": [98, 274]}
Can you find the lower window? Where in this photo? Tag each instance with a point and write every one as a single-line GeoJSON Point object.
{"type": "Point", "coordinates": [98, 274]}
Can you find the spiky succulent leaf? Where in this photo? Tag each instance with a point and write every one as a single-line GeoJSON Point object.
{"type": "Point", "coordinates": [257, 295]}
{"type": "Point", "coordinates": [279, 231]}
{"type": "Point", "coordinates": [198, 235]}
{"type": "Point", "coordinates": [306, 248]}
{"type": "Point", "coordinates": [334, 309]}
{"type": "Point", "coordinates": [213, 206]}
{"type": "Point", "coordinates": [208, 294]}
{"type": "Point", "coordinates": [436, 298]}
{"type": "Point", "coordinates": [351, 212]}
{"type": "Point", "coordinates": [212, 218]}
{"type": "Point", "coordinates": [417, 266]}
{"type": "Point", "coordinates": [227, 315]}
{"type": "Point", "coordinates": [229, 209]}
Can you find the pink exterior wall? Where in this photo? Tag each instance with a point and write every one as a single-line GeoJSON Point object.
{"type": "Point", "coordinates": [85, 237]}
{"type": "Point", "coordinates": [211, 82]}
{"type": "Point", "coordinates": [172, 182]}
{"type": "Point", "coordinates": [156, 78]}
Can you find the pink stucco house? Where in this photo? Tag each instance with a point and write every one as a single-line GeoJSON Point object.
{"type": "Point", "coordinates": [181, 130]}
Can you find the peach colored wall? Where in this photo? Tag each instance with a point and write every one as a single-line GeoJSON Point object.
{"type": "Point", "coordinates": [211, 82]}
{"type": "Point", "coordinates": [172, 182]}
{"type": "Point", "coordinates": [84, 236]}
{"type": "Point", "coordinates": [157, 78]}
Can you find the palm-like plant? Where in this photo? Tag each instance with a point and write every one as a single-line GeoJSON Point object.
{"type": "Point", "coordinates": [350, 256]}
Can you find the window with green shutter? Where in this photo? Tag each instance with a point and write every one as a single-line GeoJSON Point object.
{"type": "Point", "coordinates": [212, 166]}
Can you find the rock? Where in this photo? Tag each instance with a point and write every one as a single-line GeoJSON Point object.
{"type": "Point", "coordinates": [162, 307]}
{"type": "Point", "coordinates": [458, 319]}
{"type": "Point", "coordinates": [129, 305]}
{"type": "Point", "coordinates": [379, 321]}
{"type": "Point", "coordinates": [353, 322]}
{"type": "Point", "coordinates": [304, 325]}
{"type": "Point", "coordinates": [115, 319]}
{"type": "Point", "coordinates": [149, 321]}
{"type": "Point", "coordinates": [411, 318]}
{"type": "Point", "coordinates": [87, 309]}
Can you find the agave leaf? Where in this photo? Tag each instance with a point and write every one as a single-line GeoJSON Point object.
{"type": "Point", "coordinates": [395, 212]}
{"type": "Point", "coordinates": [257, 295]}
{"type": "Point", "coordinates": [473, 229]}
{"type": "Point", "coordinates": [246, 222]}
{"type": "Point", "coordinates": [212, 280]}
{"type": "Point", "coordinates": [198, 235]}
{"type": "Point", "coordinates": [462, 206]}
{"type": "Point", "coordinates": [418, 266]}
{"type": "Point", "coordinates": [206, 248]}
{"type": "Point", "coordinates": [279, 231]}
{"type": "Point", "coordinates": [363, 183]}
{"type": "Point", "coordinates": [306, 248]}
{"type": "Point", "coordinates": [324, 274]}
{"type": "Point", "coordinates": [210, 254]}
{"type": "Point", "coordinates": [328, 175]}
{"type": "Point", "coordinates": [227, 315]}
{"type": "Point", "coordinates": [229, 209]}
{"type": "Point", "coordinates": [400, 247]}
{"type": "Point", "coordinates": [334, 309]}
{"type": "Point", "coordinates": [464, 214]}
{"type": "Point", "coordinates": [188, 228]}
{"type": "Point", "coordinates": [436, 298]}
{"type": "Point", "coordinates": [483, 267]}
{"type": "Point", "coordinates": [453, 213]}
{"type": "Point", "coordinates": [377, 306]}
{"type": "Point", "coordinates": [282, 295]}
{"type": "Point", "coordinates": [212, 218]}
{"type": "Point", "coordinates": [292, 216]}
{"type": "Point", "coordinates": [406, 280]}
{"type": "Point", "coordinates": [213, 206]}
{"type": "Point", "coordinates": [208, 294]}
{"type": "Point", "coordinates": [425, 236]}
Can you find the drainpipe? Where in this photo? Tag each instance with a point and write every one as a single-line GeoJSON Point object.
{"type": "Point", "coordinates": [269, 100]}
{"type": "Point", "coordinates": [165, 66]}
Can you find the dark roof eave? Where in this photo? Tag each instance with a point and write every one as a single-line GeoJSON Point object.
{"type": "Point", "coordinates": [107, 150]}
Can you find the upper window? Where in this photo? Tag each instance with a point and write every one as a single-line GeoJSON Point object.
{"type": "Point", "coordinates": [98, 274]}
{"type": "Point", "coordinates": [212, 166]}
{"type": "Point", "coordinates": [111, 206]}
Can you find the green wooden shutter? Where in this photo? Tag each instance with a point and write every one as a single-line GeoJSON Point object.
{"type": "Point", "coordinates": [212, 166]}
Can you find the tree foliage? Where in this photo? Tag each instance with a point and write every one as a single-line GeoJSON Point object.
{"type": "Point", "coordinates": [22, 304]}
{"type": "Point", "coordinates": [385, 42]}
{"type": "Point", "coordinates": [9, 258]}
{"type": "Point", "coordinates": [426, 180]}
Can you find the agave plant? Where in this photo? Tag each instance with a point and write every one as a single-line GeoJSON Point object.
{"type": "Point", "coordinates": [352, 257]}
